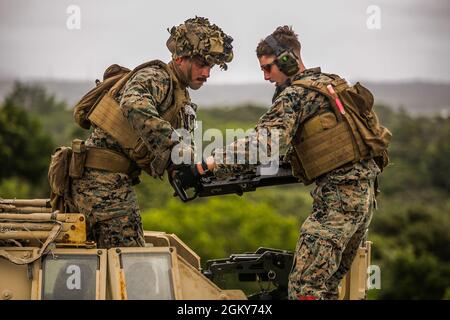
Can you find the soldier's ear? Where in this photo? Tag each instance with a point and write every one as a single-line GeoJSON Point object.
{"type": "Point", "coordinates": [178, 60]}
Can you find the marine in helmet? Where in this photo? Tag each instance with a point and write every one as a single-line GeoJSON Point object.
{"type": "Point", "coordinates": [155, 102]}
{"type": "Point", "coordinates": [314, 139]}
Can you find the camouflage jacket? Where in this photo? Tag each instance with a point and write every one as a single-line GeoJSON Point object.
{"type": "Point", "coordinates": [141, 100]}
{"type": "Point", "coordinates": [291, 107]}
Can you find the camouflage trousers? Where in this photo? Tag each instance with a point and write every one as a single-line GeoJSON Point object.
{"type": "Point", "coordinates": [110, 205]}
{"type": "Point", "coordinates": [343, 204]}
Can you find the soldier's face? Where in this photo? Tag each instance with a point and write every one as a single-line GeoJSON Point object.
{"type": "Point", "coordinates": [197, 70]}
{"type": "Point", "coordinates": [271, 71]}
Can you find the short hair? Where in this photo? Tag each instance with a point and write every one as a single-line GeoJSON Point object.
{"type": "Point", "coordinates": [285, 36]}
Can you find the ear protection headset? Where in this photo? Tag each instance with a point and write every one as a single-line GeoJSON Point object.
{"type": "Point", "coordinates": [285, 59]}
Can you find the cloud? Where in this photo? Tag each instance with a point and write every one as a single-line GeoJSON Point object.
{"type": "Point", "coordinates": [411, 44]}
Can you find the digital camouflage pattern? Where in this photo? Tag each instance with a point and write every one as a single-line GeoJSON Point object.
{"type": "Point", "coordinates": [142, 102]}
{"type": "Point", "coordinates": [110, 205]}
{"type": "Point", "coordinates": [197, 36]}
{"type": "Point", "coordinates": [343, 199]}
{"type": "Point", "coordinates": [292, 105]}
{"type": "Point", "coordinates": [329, 238]}
{"type": "Point", "coordinates": [108, 199]}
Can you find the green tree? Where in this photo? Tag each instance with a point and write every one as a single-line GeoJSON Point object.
{"type": "Point", "coordinates": [34, 98]}
{"type": "Point", "coordinates": [55, 117]}
{"type": "Point", "coordinates": [415, 276]}
{"type": "Point", "coordinates": [24, 147]}
{"type": "Point", "coordinates": [438, 155]}
{"type": "Point", "coordinates": [218, 227]}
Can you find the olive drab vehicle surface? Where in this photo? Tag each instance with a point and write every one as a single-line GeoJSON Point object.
{"type": "Point", "coordinates": [45, 255]}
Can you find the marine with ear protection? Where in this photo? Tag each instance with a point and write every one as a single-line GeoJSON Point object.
{"type": "Point", "coordinates": [285, 60]}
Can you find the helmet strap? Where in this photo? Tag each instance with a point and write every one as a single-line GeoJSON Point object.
{"type": "Point", "coordinates": [189, 73]}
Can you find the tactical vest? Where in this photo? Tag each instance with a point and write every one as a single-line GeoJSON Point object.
{"type": "Point", "coordinates": [331, 140]}
{"type": "Point", "coordinates": [107, 115]}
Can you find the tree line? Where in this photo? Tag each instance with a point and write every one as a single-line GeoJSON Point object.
{"type": "Point", "coordinates": [409, 231]}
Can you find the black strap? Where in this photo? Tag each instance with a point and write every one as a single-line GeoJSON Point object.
{"type": "Point", "coordinates": [204, 166]}
{"type": "Point", "coordinates": [273, 43]}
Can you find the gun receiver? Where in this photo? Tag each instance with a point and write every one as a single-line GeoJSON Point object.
{"type": "Point", "coordinates": [265, 264]}
{"type": "Point", "coordinates": [210, 185]}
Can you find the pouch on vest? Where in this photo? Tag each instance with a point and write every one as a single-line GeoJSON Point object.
{"type": "Point", "coordinates": [359, 102]}
{"type": "Point", "coordinates": [58, 172]}
{"type": "Point", "coordinates": [114, 78]}
{"type": "Point", "coordinates": [59, 180]}
{"type": "Point", "coordinates": [79, 153]}
{"type": "Point", "coordinates": [368, 137]}
{"type": "Point", "coordinates": [110, 77]}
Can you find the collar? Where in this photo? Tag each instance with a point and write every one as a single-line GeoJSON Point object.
{"type": "Point", "coordinates": [307, 72]}
{"type": "Point", "coordinates": [304, 73]}
{"type": "Point", "coordinates": [280, 88]}
{"type": "Point", "coordinates": [178, 74]}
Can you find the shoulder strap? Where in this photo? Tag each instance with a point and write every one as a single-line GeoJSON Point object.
{"type": "Point", "coordinates": [179, 99]}
{"type": "Point", "coordinates": [321, 87]}
{"type": "Point", "coordinates": [119, 84]}
{"type": "Point", "coordinates": [337, 82]}
{"type": "Point", "coordinates": [108, 115]}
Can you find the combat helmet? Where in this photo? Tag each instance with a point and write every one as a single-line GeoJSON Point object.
{"type": "Point", "coordinates": [197, 36]}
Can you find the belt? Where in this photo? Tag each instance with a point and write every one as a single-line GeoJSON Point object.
{"type": "Point", "coordinates": [106, 159]}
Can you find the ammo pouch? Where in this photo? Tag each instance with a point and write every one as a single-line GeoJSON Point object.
{"type": "Point", "coordinates": [321, 149]}
{"type": "Point", "coordinates": [79, 153]}
{"type": "Point", "coordinates": [97, 158]}
{"type": "Point", "coordinates": [59, 180]}
{"type": "Point", "coordinates": [58, 172]}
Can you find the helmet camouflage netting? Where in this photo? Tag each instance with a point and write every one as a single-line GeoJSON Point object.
{"type": "Point", "coordinates": [197, 36]}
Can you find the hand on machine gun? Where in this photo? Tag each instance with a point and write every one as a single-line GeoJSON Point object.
{"type": "Point", "coordinates": [199, 178]}
{"type": "Point", "coordinates": [186, 176]}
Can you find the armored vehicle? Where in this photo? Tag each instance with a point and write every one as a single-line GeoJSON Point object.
{"type": "Point", "coordinates": [45, 255]}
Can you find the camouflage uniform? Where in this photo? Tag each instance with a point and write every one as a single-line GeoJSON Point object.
{"type": "Point", "coordinates": [343, 198]}
{"type": "Point", "coordinates": [107, 198]}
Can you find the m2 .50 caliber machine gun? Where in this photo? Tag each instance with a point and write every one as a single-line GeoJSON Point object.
{"type": "Point", "coordinates": [209, 185]}
{"type": "Point", "coordinates": [263, 265]}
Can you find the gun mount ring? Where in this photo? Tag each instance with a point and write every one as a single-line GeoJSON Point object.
{"type": "Point", "coordinates": [271, 274]}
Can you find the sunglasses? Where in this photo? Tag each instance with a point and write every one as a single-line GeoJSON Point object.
{"type": "Point", "coordinates": [268, 66]}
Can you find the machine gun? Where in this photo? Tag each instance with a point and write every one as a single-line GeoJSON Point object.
{"type": "Point", "coordinates": [265, 264]}
{"type": "Point", "coordinates": [209, 185]}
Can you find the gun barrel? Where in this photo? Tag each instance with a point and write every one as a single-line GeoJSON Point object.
{"type": "Point", "coordinates": [238, 184]}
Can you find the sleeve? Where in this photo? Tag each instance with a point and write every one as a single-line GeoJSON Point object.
{"type": "Point", "coordinates": [142, 94]}
{"type": "Point", "coordinates": [272, 137]}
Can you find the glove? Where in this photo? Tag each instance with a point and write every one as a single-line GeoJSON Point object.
{"type": "Point", "coordinates": [189, 175]}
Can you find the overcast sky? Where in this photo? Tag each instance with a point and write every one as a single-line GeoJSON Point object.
{"type": "Point", "coordinates": [412, 42]}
